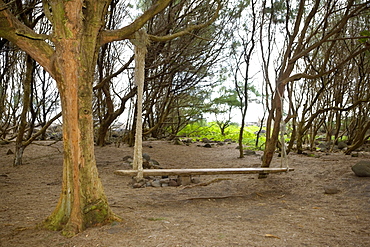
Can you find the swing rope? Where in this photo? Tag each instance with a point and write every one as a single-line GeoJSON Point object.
{"type": "Point", "coordinates": [140, 42]}
{"type": "Point", "coordinates": [284, 158]}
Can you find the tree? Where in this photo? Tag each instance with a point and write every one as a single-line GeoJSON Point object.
{"type": "Point", "coordinates": [308, 33]}
{"type": "Point", "coordinates": [243, 48]}
{"type": "Point", "coordinates": [69, 54]}
{"type": "Point", "coordinates": [222, 107]}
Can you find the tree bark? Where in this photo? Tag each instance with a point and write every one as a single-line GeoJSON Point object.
{"type": "Point", "coordinates": [82, 202]}
{"type": "Point", "coordinates": [272, 130]}
{"type": "Point", "coordinates": [19, 145]}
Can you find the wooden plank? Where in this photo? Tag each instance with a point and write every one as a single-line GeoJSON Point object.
{"type": "Point", "coordinates": [201, 171]}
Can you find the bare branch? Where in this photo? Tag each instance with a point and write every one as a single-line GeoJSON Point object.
{"type": "Point", "coordinates": [128, 31]}
{"type": "Point", "coordinates": [25, 38]}
{"type": "Point", "coordinates": [188, 30]}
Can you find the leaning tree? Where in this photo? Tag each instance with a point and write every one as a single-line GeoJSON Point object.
{"type": "Point", "coordinates": [69, 54]}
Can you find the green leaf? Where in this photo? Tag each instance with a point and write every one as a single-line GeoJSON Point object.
{"type": "Point", "coordinates": [365, 33]}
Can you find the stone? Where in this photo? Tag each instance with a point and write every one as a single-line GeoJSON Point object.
{"type": "Point", "coordinates": [184, 180]}
{"type": "Point", "coordinates": [189, 140]}
{"type": "Point", "coordinates": [156, 183]}
{"type": "Point", "coordinates": [207, 145]}
{"type": "Point", "coordinates": [323, 147]}
{"type": "Point", "coordinates": [173, 183]}
{"type": "Point", "coordinates": [146, 156]}
{"type": "Point", "coordinates": [9, 152]}
{"type": "Point", "coordinates": [195, 180]}
{"type": "Point", "coordinates": [362, 168]}
{"type": "Point", "coordinates": [331, 189]}
{"type": "Point", "coordinates": [127, 158]}
{"type": "Point", "coordinates": [249, 152]}
{"type": "Point", "coordinates": [164, 181]}
{"type": "Point", "coordinates": [206, 140]}
{"type": "Point", "coordinates": [177, 142]}
{"type": "Point", "coordinates": [154, 162]}
{"type": "Point", "coordinates": [138, 185]}
{"type": "Point", "coordinates": [342, 145]}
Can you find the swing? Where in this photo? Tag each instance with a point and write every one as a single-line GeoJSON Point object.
{"type": "Point", "coordinates": [140, 42]}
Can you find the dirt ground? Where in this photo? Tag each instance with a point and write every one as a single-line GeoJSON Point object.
{"type": "Point", "coordinates": [289, 209]}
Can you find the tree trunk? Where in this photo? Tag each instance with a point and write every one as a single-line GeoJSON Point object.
{"type": "Point", "coordinates": [19, 146]}
{"type": "Point", "coordinates": [359, 140]}
{"type": "Point", "coordinates": [82, 202]}
{"type": "Point", "coordinates": [272, 130]}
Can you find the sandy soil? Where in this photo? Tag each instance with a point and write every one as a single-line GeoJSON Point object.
{"type": "Point", "coordinates": [233, 210]}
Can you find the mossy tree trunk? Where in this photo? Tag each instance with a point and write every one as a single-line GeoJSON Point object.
{"type": "Point", "coordinates": [82, 202]}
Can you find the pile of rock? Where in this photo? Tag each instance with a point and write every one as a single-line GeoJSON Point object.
{"type": "Point", "coordinates": [148, 163]}
{"type": "Point", "coordinates": [165, 181]}
{"type": "Point", "coordinates": [158, 181]}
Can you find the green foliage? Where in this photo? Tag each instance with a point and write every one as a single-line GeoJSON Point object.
{"type": "Point", "coordinates": [199, 130]}
{"type": "Point", "coordinates": [366, 34]}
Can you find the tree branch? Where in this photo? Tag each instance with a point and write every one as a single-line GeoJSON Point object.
{"type": "Point", "coordinates": [25, 38]}
{"type": "Point", "coordinates": [308, 76]}
{"type": "Point", "coordinates": [188, 29]}
{"type": "Point", "coordinates": [128, 31]}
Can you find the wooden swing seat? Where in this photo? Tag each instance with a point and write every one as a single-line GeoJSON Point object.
{"type": "Point", "coordinates": [202, 171]}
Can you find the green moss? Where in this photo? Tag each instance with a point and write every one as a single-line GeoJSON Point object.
{"type": "Point", "coordinates": [98, 213]}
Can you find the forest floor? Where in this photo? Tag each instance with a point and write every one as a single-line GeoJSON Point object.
{"type": "Point", "coordinates": [289, 209]}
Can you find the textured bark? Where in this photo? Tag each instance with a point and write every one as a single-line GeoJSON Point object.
{"type": "Point", "coordinates": [82, 202]}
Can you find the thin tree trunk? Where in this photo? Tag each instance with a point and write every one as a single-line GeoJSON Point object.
{"type": "Point", "coordinates": [19, 146]}
{"type": "Point", "coordinates": [272, 130]}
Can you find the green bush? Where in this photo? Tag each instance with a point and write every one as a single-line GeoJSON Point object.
{"type": "Point", "coordinates": [199, 130]}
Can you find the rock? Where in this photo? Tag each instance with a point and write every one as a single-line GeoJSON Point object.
{"type": "Point", "coordinates": [323, 147]}
{"type": "Point", "coordinates": [155, 163]}
{"type": "Point", "coordinates": [189, 140]}
{"type": "Point", "coordinates": [177, 142]}
{"type": "Point", "coordinates": [173, 183]}
{"type": "Point", "coordinates": [156, 183]}
{"type": "Point", "coordinates": [164, 181]}
{"type": "Point", "coordinates": [342, 145]}
{"type": "Point", "coordinates": [137, 185]}
{"type": "Point", "coordinates": [362, 168]}
{"type": "Point", "coordinates": [206, 140]}
{"type": "Point", "coordinates": [228, 140]}
{"type": "Point", "coordinates": [146, 156]}
{"type": "Point", "coordinates": [9, 152]}
{"type": "Point", "coordinates": [184, 180]}
{"type": "Point", "coordinates": [249, 152]}
{"type": "Point", "coordinates": [195, 180]}
{"type": "Point", "coordinates": [331, 189]}
{"type": "Point", "coordinates": [127, 158]}
{"type": "Point", "coordinates": [207, 145]}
